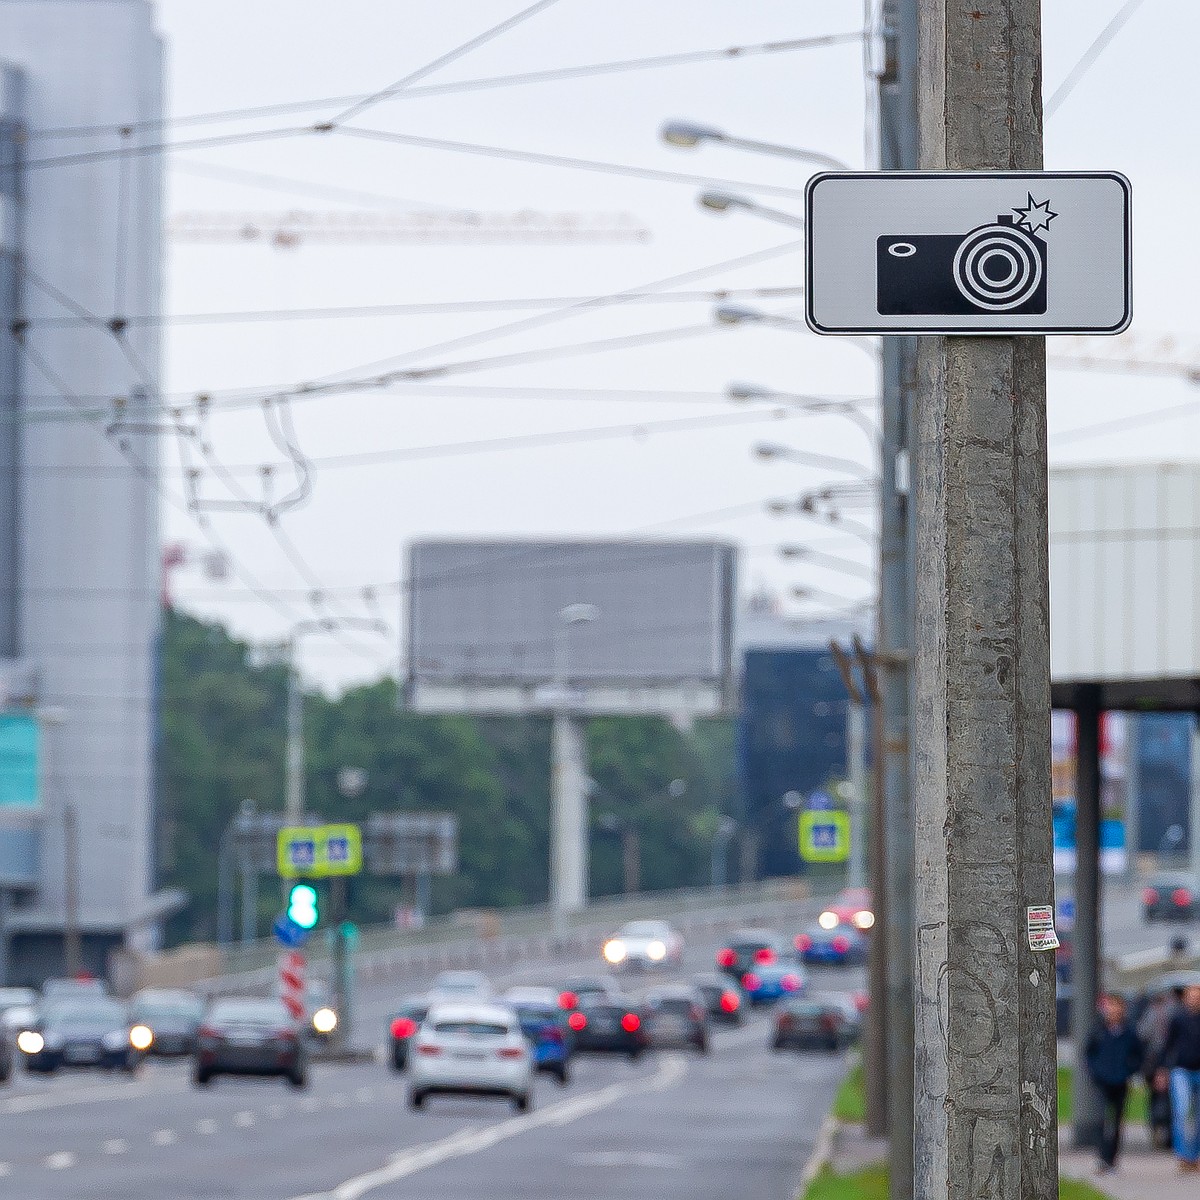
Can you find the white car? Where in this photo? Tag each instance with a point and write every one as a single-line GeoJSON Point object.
{"type": "Point", "coordinates": [643, 944]}
{"type": "Point", "coordinates": [470, 1050]}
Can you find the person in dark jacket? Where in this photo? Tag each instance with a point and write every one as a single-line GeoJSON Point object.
{"type": "Point", "coordinates": [1180, 1070]}
{"type": "Point", "coordinates": [1113, 1055]}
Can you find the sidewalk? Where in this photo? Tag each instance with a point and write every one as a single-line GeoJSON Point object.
{"type": "Point", "coordinates": [1142, 1174]}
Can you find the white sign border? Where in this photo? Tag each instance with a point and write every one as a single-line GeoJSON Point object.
{"type": "Point", "coordinates": [975, 331]}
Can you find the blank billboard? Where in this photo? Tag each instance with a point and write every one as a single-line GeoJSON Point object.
{"type": "Point", "coordinates": [486, 621]}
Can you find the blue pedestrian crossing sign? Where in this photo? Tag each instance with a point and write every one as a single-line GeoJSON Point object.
{"type": "Point", "coordinates": [318, 851]}
{"type": "Point", "coordinates": [824, 836]}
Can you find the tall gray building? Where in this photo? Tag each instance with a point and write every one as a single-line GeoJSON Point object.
{"type": "Point", "coordinates": [80, 214]}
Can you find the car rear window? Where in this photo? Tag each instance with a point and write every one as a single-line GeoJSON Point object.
{"type": "Point", "coordinates": [472, 1028]}
{"type": "Point", "coordinates": [537, 1012]}
{"type": "Point", "coordinates": [674, 1004]}
{"type": "Point", "coordinates": [250, 1012]}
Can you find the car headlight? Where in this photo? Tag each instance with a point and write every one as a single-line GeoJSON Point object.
{"type": "Point", "coordinates": [828, 920]}
{"type": "Point", "coordinates": [29, 1041]}
{"type": "Point", "coordinates": [614, 951]}
{"type": "Point", "coordinates": [864, 919]}
{"type": "Point", "coordinates": [141, 1037]}
{"type": "Point", "coordinates": [114, 1040]}
{"type": "Point", "coordinates": [656, 951]}
{"type": "Point", "coordinates": [324, 1020]}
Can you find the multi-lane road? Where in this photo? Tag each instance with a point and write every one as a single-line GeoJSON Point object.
{"type": "Point", "coordinates": [741, 1121]}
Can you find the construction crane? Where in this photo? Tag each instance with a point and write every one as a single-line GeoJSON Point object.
{"type": "Point", "coordinates": [294, 228]}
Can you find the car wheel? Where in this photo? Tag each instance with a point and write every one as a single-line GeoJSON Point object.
{"type": "Point", "coordinates": [522, 1101]}
{"type": "Point", "coordinates": [634, 1055]}
{"type": "Point", "coordinates": [202, 1078]}
{"type": "Point", "coordinates": [563, 1074]}
{"type": "Point", "coordinates": [777, 1044]}
{"type": "Point", "coordinates": [398, 1061]}
{"type": "Point", "coordinates": [416, 1100]}
{"type": "Point", "coordinates": [298, 1079]}
{"type": "Point", "coordinates": [702, 1046]}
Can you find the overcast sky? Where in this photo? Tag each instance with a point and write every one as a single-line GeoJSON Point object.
{"type": "Point", "coordinates": [1132, 112]}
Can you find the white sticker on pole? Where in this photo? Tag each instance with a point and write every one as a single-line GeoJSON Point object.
{"type": "Point", "coordinates": [1039, 924]}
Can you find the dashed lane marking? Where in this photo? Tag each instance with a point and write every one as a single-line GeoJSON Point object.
{"type": "Point", "coordinates": [670, 1071]}
{"type": "Point", "coordinates": [165, 1137]}
{"type": "Point", "coordinates": [61, 1160]}
{"type": "Point", "coordinates": [244, 1119]}
{"type": "Point", "coordinates": [116, 1146]}
{"type": "Point", "coordinates": [206, 1125]}
{"type": "Point", "coordinates": [5, 1169]}
{"type": "Point", "coordinates": [275, 1111]}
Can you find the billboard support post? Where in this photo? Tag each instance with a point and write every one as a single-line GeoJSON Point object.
{"type": "Point", "coordinates": [568, 883]}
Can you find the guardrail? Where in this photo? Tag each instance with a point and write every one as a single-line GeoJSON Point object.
{"type": "Point", "coordinates": [499, 936]}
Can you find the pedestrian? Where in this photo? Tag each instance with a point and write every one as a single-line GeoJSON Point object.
{"type": "Point", "coordinates": [1152, 1029]}
{"type": "Point", "coordinates": [1180, 1071]}
{"type": "Point", "coordinates": [1113, 1055]}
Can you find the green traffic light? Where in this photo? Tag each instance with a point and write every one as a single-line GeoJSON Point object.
{"type": "Point", "coordinates": [303, 908]}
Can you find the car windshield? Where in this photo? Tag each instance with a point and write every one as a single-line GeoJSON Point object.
{"type": "Point", "coordinates": [80, 1012]}
{"type": "Point", "coordinates": [472, 1028]}
{"type": "Point", "coordinates": [644, 929]}
{"type": "Point", "coordinates": [249, 1012]}
{"type": "Point", "coordinates": [675, 1005]}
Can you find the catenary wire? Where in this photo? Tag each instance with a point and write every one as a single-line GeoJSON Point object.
{"type": "Point", "coordinates": [442, 60]}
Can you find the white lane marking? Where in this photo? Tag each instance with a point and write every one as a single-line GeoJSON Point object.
{"type": "Point", "coordinates": [206, 1125]}
{"type": "Point", "coordinates": [244, 1119]}
{"type": "Point", "coordinates": [275, 1111]}
{"type": "Point", "coordinates": [60, 1160]}
{"type": "Point", "coordinates": [629, 1158]}
{"type": "Point", "coordinates": [116, 1146]}
{"type": "Point", "coordinates": [5, 1169]}
{"type": "Point", "coordinates": [165, 1137]}
{"type": "Point", "coordinates": [672, 1069]}
{"type": "Point", "coordinates": [40, 1101]}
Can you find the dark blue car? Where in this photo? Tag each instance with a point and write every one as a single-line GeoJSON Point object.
{"type": "Point", "coordinates": [838, 945]}
{"type": "Point", "coordinates": [543, 1022]}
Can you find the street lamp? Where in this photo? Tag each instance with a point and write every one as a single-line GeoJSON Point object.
{"type": "Point", "coordinates": [835, 562]}
{"type": "Point", "coordinates": [774, 451]}
{"type": "Point", "coordinates": [687, 135]}
{"type": "Point", "coordinates": [742, 393]}
{"type": "Point", "coordinates": [722, 202]}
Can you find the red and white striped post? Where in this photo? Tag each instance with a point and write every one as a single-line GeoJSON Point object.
{"type": "Point", "coordinates": [292, 965]}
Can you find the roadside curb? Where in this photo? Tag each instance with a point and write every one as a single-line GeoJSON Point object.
{"type": "Point", "coordinates": [821, 1155]}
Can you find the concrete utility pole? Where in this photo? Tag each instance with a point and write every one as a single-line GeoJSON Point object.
{"type": "Point", "coordinates": [875, 1032]}
{"type": "Point", "coordinates": [898, 147]}
{"type": "Point", "coordinates": [986, 1112]}
{"type": "Point", "coordinates": [1085, 956]}
{"type": "Point", "coordinates": [569, 780]}
{"type": "Point", "coordinates": [72, 950]}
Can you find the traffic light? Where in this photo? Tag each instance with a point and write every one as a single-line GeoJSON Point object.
{"type": "Point", "coordinates": [303, 908]}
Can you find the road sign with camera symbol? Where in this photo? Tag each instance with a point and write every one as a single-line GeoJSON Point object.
{"type": "Point", "coordinates": [945, 252]}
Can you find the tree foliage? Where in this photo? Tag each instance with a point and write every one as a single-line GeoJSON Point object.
{"type": "Point", "coordinates": [222, 741]}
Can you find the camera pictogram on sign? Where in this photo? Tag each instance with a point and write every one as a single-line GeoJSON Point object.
{"type": "Point", "coordinates": [999, 267]}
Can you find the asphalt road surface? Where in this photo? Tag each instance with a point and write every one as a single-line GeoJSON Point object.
{"type": "Point", "coordinates": [740, 1121]}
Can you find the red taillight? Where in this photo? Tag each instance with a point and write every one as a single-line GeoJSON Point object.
{"type": "Point", "coordinates": [403, 1027]}
{"type": "Point", "coordinates": [1181, 897]}
{"type": "Point", "coordinates": [1150, 896]}
{"type": "Point", "coordinates": [803, 942]}
{"type": "Point", "coordinates": [841, 945]}
{"type": "Point", "coordinates": [726, 957]}
{"type": "Point", "coordinates": [697, 1013]}
{"type": "Point", "coordinates": [785, 1021]}
{"type": "Point", "coordinates": [764, 956]}
{"type": "Point", "coordinates": [861, 1001]}
{"type": "Point", "coordinates": [790, 983]}
{"type": "Point", "coordinates": [553, 1034]}
{"type": "Point", "coordinates": [285, 1034]}
{"type": "Point", "coordinates": [631, 1022]}
{"type": "Point", "coordinates": [510, 1052]}
{"type": "Point", "coordinates": [729, 1002]}
{"type": "Point", "coordinates": [577, 1021]}
{"type": "Point", "coordinates": [829, 1022]}
{"type": "Point", "coordinates": [208, 1031]}
{"type": "Point", "coordinates": [751, 982]}
{"type": "Point", "coordinates": [427, 1048]}
{"type": "Point", "coordinates": [567, 1000]}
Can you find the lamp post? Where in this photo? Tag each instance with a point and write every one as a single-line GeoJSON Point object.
{"type": "Point", "coordinates": [688, 135]}
{"type": "Point", "coordinates": [568, 837]}
{"type": "Point", "coordinates": [718, 869]}
{"type": "Point", "coordinates": [631, 838]}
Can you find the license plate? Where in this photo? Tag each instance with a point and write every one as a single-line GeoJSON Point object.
{"type": "Point", "coordinates": [81, 1054]}
{"type": "Point", "coordinates": [670, 1026]}
{"type": "Point", "coordinates": [604, 1025]}
{"type": "Point", "coordinates": [470, 1055]}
